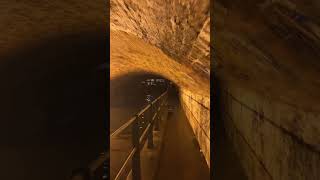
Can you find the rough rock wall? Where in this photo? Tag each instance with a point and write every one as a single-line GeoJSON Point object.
{"type": "Point", "coordinates": [266, 57]}
{"type": "Point", "coordinates": [171, 25]}
{"type": "Point", "coordinates": [268, 136]}
{"type": "Point", "coordinates": [199, 55]}
{"type": "Point", "coordinates": [264, 46]}
{"type": "Point", "coordinates": [197, 110]}
{"type": "Point", "coordinates": [176, 31]}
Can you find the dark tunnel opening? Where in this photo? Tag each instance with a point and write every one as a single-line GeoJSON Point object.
{"type": "Point", "coordinates": [53, 103]}
{"type": "Point", "coordinates": [129, 89]}
{"type": "Point", "coordinates": [130, 93]}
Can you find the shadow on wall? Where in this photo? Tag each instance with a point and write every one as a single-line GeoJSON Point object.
{"type": "Point", "coordinates": [52, 102]}
{"type": "Point", "coordinates": [225, 161]}
{"type": "Point", "coordinates": [217, 124]}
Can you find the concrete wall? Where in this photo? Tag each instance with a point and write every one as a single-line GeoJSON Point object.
{"type": "Point", "coordinates": [273, 140]}
{"type": "Point", "coordinates": [197, 110]}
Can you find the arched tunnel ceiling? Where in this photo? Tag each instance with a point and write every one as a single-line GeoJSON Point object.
{"type": "Point", "coordinates": [270, 46]}
{"type": "Point", "coordinates": [172, 39]}
{"type": "Point", "coordinates": [131, 54]}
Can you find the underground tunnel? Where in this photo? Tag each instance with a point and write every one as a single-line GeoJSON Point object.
{"type": "Point", "coordinates": [145, 39]}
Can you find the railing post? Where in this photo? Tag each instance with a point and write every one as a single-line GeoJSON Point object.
{"type": "Point", "coordinates": [158, 118]}
{"type": "Point", "coordinates": [157, 126]}
{"type": "Point", "coordinates": [150, 133]}
{"type": "Point", "coordinates": [136, 166]}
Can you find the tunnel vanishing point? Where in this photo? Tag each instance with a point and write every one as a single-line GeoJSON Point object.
{"type": "Point", "coordinates": [263, 57]}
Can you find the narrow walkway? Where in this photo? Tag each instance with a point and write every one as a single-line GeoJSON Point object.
{"type": "Point", "coordinates": [181, 158]}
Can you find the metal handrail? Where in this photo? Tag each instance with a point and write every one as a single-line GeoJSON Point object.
{"type": "Point", "coordinates": [144, 136]}
{"type": "Point", "coordinates": [127, 124]}
{"type": "Point", "coordinates": [123, 127]}
{"type": "Point", "coordinates": [94, 165]}
{"type": "Point", "coordinates": [120, 173]}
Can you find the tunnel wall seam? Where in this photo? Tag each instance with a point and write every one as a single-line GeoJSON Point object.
{"type": "Point", "coordinates": [284, 130]}
{"type": "Point", "coordinates": [195, 119]}
{"type": "Point", "coordinates": [198, 116]}
{"type": "Point", "coordinates": [204, 144]}
{"type": "Point", "coordinates": [282, 156]}
{"type": "Point", "coordinates": [198, 102]}
{"type": "Point", "coordinates": [227, 115]}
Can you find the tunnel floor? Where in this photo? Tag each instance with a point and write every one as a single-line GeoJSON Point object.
{"type": "Point", "coordinates": [181, 157]}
